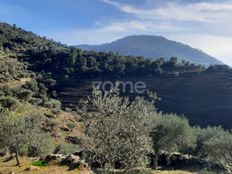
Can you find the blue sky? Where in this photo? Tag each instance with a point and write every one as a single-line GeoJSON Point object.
{"type": "Point", "coordinates": [203, 24]}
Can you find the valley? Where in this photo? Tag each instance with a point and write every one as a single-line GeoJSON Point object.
{"type": "Point", "coordinates": [47, 126]}
{"type": "Point", "coordinates": [202, 97]}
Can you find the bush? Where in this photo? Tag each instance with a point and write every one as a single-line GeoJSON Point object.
{"type": "Point", "coordinates": [56, 111]}
{"type": "Point", "coordinates": [43, 145]}
{"type": "Point", "coordinates": [39, 163]}
{"type": "Point", "coordinates": [71, 125]}
{"type": "Point", "coordinates": [67, 149]}
{"type": "Point", "coordinates": [171, 133]}
{"type": "Point", "coordinates": [10, 103]}
{"type": "Point", "coordinates": [73, 139]}
{"type": "Point", "coordinates": [25, 94]}
{"type": "Point", "coordinates": [53, 104]}
{"type": "Point", "coordinates": [3, 152]}
{"type": "Point", "coordinates": [49, 124]}
{"type": "Point", "coordinates": [214, 143]}
{"type": "Point", "coordinates": [36, 101]}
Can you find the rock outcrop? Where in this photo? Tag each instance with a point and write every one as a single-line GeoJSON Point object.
{"type": "Point", "coordinates": [72, 160]}
{"type": "Point", "coordinates": [176, 159]}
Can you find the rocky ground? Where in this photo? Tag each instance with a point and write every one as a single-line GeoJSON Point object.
{"type": "Point", "coordinates": [73, 164]}
{"type": "Point", "coordinates": [27, 168]}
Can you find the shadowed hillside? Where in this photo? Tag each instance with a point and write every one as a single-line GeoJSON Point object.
{"type": "Point", "coordinates": [204, 98]}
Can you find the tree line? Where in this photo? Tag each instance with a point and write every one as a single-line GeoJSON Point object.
{"type": "Point", "coordinates": [119, 133]}
{"type": "Point", "coordinates": [124, 134]}
{"type": "Point", "coordinates": [78, 63]}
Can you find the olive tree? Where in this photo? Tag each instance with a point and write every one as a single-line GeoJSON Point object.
{"type": "Point", "coordinates": [117, 130]}
{"type": "Point", "coordinates": [20, 133]}
{"type": "Point", "coordinates": [214, 143]}
{"type": "Point", "coordinates": [171, 133]}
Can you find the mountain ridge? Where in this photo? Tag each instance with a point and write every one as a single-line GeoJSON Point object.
{"type": "Point", "coordinates": [154, 47]}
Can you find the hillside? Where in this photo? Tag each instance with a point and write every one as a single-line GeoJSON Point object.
{"type": "Point", "coordinates": [47, 127]}
{"type": "Point", "coordinates": [154, 47]}
{"type": "Point", "coordinates": [203, 98]}
{"type": "Point", "coordinates": [56, 70]}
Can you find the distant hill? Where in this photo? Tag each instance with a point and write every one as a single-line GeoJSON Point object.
{"type": "Point", "coordinates": [65, 73]}
{"type": "Point", "coordinates": [154, 47]}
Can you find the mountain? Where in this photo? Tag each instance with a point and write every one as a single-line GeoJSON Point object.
{"type": "Point", "coordinates": [154, 47]}
{"type": "Point", "coordinates": [44, 69]}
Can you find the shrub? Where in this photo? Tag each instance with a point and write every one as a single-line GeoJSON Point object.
{"type": "Point", "coordinates": [36, 101]}
{"type": "Point", "coordinates": [49, 124]}
{"type": "Point", "coordinates": [10, 103]}
{"type": "Point", "coordinates": [73, 139]}
{"type": "Point", "coordinates": [25, 94]}
{"type": "Point", "coordinates": [71, 125]}
{"type": "Point", "coordinates": [56, 111]}
{"type": "Point", "coordinates": [42, 145]}
{"type": "Point", "coordinates": [52, 103]}
{"type": "Point", "coordinates": [214, 143]}
{"type": "Point", "coordinates": [39, 163]}
{"type": "Point", "coordinates": [171, 133]}
{"type": "Point", "coordinates": [67, 149]}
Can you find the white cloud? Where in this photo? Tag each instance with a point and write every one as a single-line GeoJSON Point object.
{"type": "Point", "coordinates": [217, 46]}
{"type": "Point", "coordinates": [109, 32]}
{"type": "Point", "coordinates": [197, 12]}
{"type": "Point", "coordinates": [210, 22]}
{"type": "Point", "coordinates": [206, 26]}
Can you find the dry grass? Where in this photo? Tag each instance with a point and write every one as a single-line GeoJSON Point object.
{"type": "Point", "coordinates": [15, 83]}
{"type": "Point", "coordinates": [7, 167]}
{"type": "Point", "coordinates": [62, 120]}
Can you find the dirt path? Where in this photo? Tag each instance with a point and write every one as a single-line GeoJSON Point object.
{"type": "Point", "coordinates": [15, 83]}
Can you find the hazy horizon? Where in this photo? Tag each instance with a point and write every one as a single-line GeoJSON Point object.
{"type": "Point", "coordinates": [195, 23]}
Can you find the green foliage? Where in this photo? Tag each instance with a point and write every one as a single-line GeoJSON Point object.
{"type": "Point", "coordinates": [52, 103]}
{"type": "Point", "coordinates": [63, 62]}
{"type": "Point", "coordinates": [118, 131]}
{"type": "Point", "coordinates": [171, 133]}
{"type": "Point", "coordinates": [49, 124]}
{"type": "Point", "coordinates": [12, 70]}
{"type": "Point", "coordinates": [20, 133]}
{"type": "Point", "coordinates": [25, 95]}
{"type": "Point", "coordinates": [39, 163]}
{"type": "Point", "coordinates": [71, 125]}
{"type": "Point", "coordinates": [214, 143]}
{"type": "Point", "coordinates": [10, 103]}
{"type": "Point", "coordinates": [66, 149]}
{"type": "Point", "coordinates": [42, 144]}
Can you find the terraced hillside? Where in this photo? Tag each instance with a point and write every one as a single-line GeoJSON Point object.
{"type": "Point", "coordinates": [202, 95]}
{"type": "Point", "coordinates": [205, 98]}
